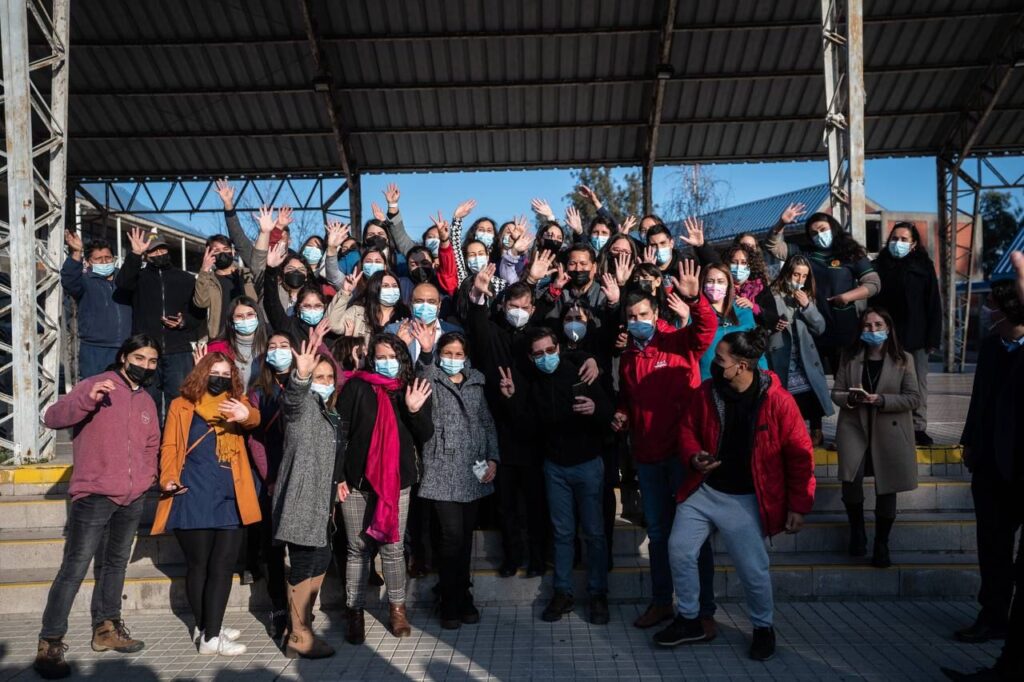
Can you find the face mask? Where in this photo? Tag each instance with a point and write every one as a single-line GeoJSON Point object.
{"type": "Point", "coordinates": [325, 391]}
{"type": "Point", "coordinates": [823, 239]}
{"type": "Point", "coordinates": [485, 238]}
{"type": "Point", "coordinates": [160, 262]}
{"type": "Point", "coordinates": [579, 278]}
{"type": "Point", "coordinates": [641, 329]}
{"type": "Point", "coordinates": [279, 358]}
{"type": "Point", "coordinates": [899, 249]}
{"type": "Point", "coordinates": [507, 242]}
{"type": "Point", "coordinates": [547, 363]}
{"type": "Point", "coordinates": [548, 244]}
{"type": "Point", "coordinates": [312, 255]}
{"type": "Point", "coordinates": [715, 292]}
{"type": "Point", "coordinates": [664, 255]}
{"type": "Point", "coordinates": [377, 242]}
{"type": "Point", "coordinates": [451, 367]}
{"type": "Point", "coordinates": [1011, 346]}
{"type": "Point", "coordinates": [218, 385]}
{"type": "Point", "coordinates": [476, 263]}
{"type": "Point", "coordinates": [517, 317]}
{"type": "Point", "coordinates": [424, 312]}
{"type": "Point", "coordinates": [434, 245]}
{"type": "Point", "coordinates": [246, 326]}
{"type": "Point", "coordinates": [598, 241]}
{"type": "Point", "coordinates": [223, 260]}
{"type": "Point", "coordinates": [718, 373]}
{"type": "Point", "coordinates": [294, 279]}
{"type": "Point", "coordinates": [874, 338]}
{"type": "Point", "coordinates": [311, 317]}
{"type": "Point", "coordinates": [103, 269]}
{"type": "Point", "coordinates": [349, 262]}
{"type": "Point", "coordinates": [422, 274]}
{"type": "Point", "coordinates": [387, 368]}
{"type": "Point", "coordinates": [740, 272]}
{"type": "Point", "coordinates": [371, 269]}
{"type": "Point", "coordinates": [575, 330]}
{"type": "Point", "coordinates": [139, 374]}
{"type": "Point", "coordinates": [795, 285]}
{"type": "Point", "coordinates": [646, 285]}
{"type": "Point", "coordinates": [390, 296]}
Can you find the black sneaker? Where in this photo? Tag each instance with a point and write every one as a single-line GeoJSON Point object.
{"type": "Point", "coordinates": [559, 605]}
{"type": "Point", "coordinates": [680, 631]}
{"type": "Point", "coordinates": [599, 610]}
{"type": "Point", "coordinates": [468, 612]}
{"type": "Point", "coordinates": [763, 646]}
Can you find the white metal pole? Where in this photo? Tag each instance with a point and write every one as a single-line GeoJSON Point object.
{"type": "Point", "coordinates": [183, 254]}
{"type": "Point", "coordinates": [120, 255]}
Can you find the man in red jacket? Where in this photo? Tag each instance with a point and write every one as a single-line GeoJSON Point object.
{"type": "Point", "coordinates": [658, 372]}
{"type": "Point", "coordinates": [753, 475]}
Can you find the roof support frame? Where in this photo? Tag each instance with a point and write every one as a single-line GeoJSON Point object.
{"type": "Point", "coordinates": [662, 72]}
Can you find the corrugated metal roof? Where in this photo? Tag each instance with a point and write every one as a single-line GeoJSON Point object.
{"type": "Point", "coordinates": [760, 215]}
{"type": "Point", "coordinates": [162, 88]}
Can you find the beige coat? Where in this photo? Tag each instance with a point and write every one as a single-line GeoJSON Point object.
{"type": "Point", "coordinates": [341, 315]}
{"type": "Point", "coordinates": [208, 295]}
{"type": "Point", "coordinates": [887, 430]}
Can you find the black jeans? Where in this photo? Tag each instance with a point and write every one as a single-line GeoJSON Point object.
{"type": "Point", "coordinates": [272, 553]}
{"type": "Point", "coordinates": [456, 522]}
{"type": "Point", "coordinates": [96, 528]}
{"type": "Point", "coordinates": [171, 370]}
{"type": "Point", "coordinates": [210, 557]}
{"type": "Point", "coordinates": [523, 485]}
{"type": "Point", "coordinates": [999, 515]}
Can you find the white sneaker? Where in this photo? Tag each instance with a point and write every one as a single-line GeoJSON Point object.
{"type": "Point", "coordinates": [230, 634]}
{"type": "Point", "coordinates": [220, 645]}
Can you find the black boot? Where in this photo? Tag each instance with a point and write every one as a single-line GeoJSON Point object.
{"type": "Point", "coordinates": [880, 557]}
{"type": "Point", "coordinates": [858, 536]}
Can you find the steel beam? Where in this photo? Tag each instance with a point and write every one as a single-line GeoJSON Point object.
{"type": "Point", "coordinates": [657, 101]}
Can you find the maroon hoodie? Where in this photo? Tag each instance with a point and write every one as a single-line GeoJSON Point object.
{"type": "Point", "coordinates": [116, 441]}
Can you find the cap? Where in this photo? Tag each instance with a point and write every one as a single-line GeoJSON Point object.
{"type": "Point", "coordinates": [157, 243]}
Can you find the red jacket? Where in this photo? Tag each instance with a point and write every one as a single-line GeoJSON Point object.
{"type": "Point", "coordinates": [656, 382]}
{"type": "Point", "coordinates": [782, 461]}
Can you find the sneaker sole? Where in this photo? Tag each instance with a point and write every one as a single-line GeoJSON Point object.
{"type": "Point", "coordinates": [683, 640]}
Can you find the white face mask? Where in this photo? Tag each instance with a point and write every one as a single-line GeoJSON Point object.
{"type": "Point", "coordinates": [517, 317]}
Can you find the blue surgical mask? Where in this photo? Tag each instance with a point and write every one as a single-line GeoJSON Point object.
{"type": "Point", "coordinates": [387, 368]}
{"type": "Point", "coordinates": [477, 263]}
{"type": "Point", "coordinates": [371, 269]}
{"type": "Point", "coordinates": [103, 269]}
{"type": "Point", "coordinates": [349, 262]}
{"type": "Point", "coordinates": [664, 255]}
{"type": "Point", "coordinates": [740, 273]}
{"type": "Point", "coordinates": [823, 239]}
{"type": "Point", "coordinates": [311, 317]}
{"type": "Point", "coordinates": [325, 391]}
{"type": "Point", "coordinates": [424, 312]}
{"type": "Point", "coordinates": [434, 245]}
{"type": "Point", "coordinates": [390, 296]}
{"type": "Point", "coordinates": [451, 366]}
{"type": "Point", "coordinates": [874, 338]}
{"type": "Point", "coordinates": [312, 254]}
{"type": "Point", "coordinates": [246, 326]}
{"type": "Point", "coordinates": [899, 249]}
{"type": "Point", "coordinates": [279, 358]}
{"type": "Point", "coordinates": [507, 241]}
{"type": "Point", "coordinates": [642, 330]}
{"type": "Point", "coordinates": [598, 241]}
{"type": "Point", "coordinates": [547, 363]}
{"type": "Point", "coordinates": [575, 330]}
{"type": "Point", "coordinates": [485, 238]}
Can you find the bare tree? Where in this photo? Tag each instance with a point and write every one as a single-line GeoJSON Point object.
{"type": "Point", "coordinates": [305, 224]}
{"type": "Point", "coordinates": [696, 191]}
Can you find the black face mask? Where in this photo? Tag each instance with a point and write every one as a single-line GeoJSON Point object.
{"type": "Point", "coordinates": [376, 242]}
{"type": "Point", "coordinates": [579, 278]}
{"type": "Point", "coordinates": [295, 279]}
{"type": "Point", "coordinates": [422, 274]}
{"type": "Point", "coordinates": [218, 385]}
{"type": "Point", "coordinates": [647, 285]}
{"type": "Point", "coordinates": [138, 374]}
{"type": "Point", "coordinates": [550, 245]}
{"type": "Point", "coordinates": [160, 262]}
{"type": "Point", "coordinates": [223, 260]}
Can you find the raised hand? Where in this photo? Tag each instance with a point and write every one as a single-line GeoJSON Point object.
{"type": "Point", "coordinates": [416, 394]}
{"type": "Point", "coordinates": [424, 334]}
{"type": "Point", "coordinates": [1017, 259]}
{"type": "Point", "coordinates": [277, 254]}
{"type": "Point", "coordinates": [100, 390]}
{"type": "Point", "coordinates": [284, 217]}
{"type": "Point", "coordinates": [305, 359]}
{"type": "Point", "coordinates": [336, 234]}
{"type": "Point", "coordinates": [208, 259]}
{"type": "Point", "coordinates": [522, 243]}
{"type": "Point", "coordinates": [542, 208]}
{"type": "Point", "coordinates": [627, 225]}
{"type": "Point", "coordinates": [482, 280]}
{"type": "Point", "coordinates": [678, 306]}
{"type": "Point", "coordinates": [651, 255]}
{"type": "Point", "coordinates": [573, 219]}
{"type": "Point", "coordinates": [610, 288]}
{"type": "Point", "coordinates": [589, 195]}
{"type": "Point", "coordinates": [560, 279]}
{"type": "Point", "coordinates": [265, 218]}
{"type": "Point", "coordinates": [405, 332]}
{"type": "Point", "coordinates": [792, 212]}
{"type": "Point", "coordinates": [465, 208]}
{"type": "Point", "coordinates": [226, 193]}
{"type": "Point", "coordinates": [317, 333]}
{"type": "Point", "coordinates": [689, 278]}
{"type": "Point", "coordinates": [352, 280]}
{"type": "Point", "coordinates": [199, 352]}
{"type": "Point", "coordinates": [377, 212]}
{"type": "Point", "coordinates": [623, 268]}
{"type": "Point", "coordinates": [233, 410]}
{"type": "Point", "coordinates": [391, 195]}
{"type": "Point", "coordinates": [350, 327]}
{"type": "Point", "coordinates": [443, 229]}
{"type": "Point", "coordinates": [541, 265]}
{"type": "Point", "coordinates": [73, 241]}
{"type": "Point", "coordinates": [139, 240]}
{"type": "Point", "coordinates": [506, 385]}
{"type": "Point", "coordinates": [694, 232]}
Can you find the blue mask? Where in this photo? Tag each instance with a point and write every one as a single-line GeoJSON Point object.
{"type": "Point", "coordinates": [575, 330]}
{"type": "Point", "coordinates": [103, 269]}
{"type": "Point", "coordinates": [740, 273]}
{"type": "Point", "coordinates": [349, 262]}
{"type": "Point", "coordinates": [899, 249]}
{"type": "Point", "coordinates": [874, 338]}
{"type": "Point", "coordinates": [424, 312]}
{"type": "Point", "coordinates": [371, 269]}
{"type": "Point", "coordinates": [325, 391]}
{"type": "Point", "coordinates": [311, 317]}
{"type": "Point", "coordinates": [1012, 345]}
{"type": "Point", "coordinates": [598, 241]}
{"type": "Point", "coordinates": [547, 363]}
{"type": "Point", "coordinates": [434, 245]}
{"type": "Point", "coordinates": [641, 329]}
{"type": "Point", "coordinates": [664, 255]}
{"type": "Point", "coordinates": [246, 326]}
{"type": "Point", "coordinates": [477, 263]}
{"type": "Point", "coordinates": [485, 238]}
{"type": "Point", "coordinates": [279, 358]}
{"type": "Point", "coordinates": [507, 242]}
{"type": "Point", "coordinates": [823, 239]}
{"type": "Point", "coordinates": [387, 368]}
{"type": "Point", "coordinates": [451, 367]}
{"type": "Point", "coordinates": [390, 296]}
{"type": "Point", "coordinates": [312, 255]}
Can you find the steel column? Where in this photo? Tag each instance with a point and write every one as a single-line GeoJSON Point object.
{"type": "Point", "coordinates": [355, 204]}
{"type": "Point", "coordinates": [663, 71]}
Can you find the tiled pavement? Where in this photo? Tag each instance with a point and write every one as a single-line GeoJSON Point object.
{"type": "Point", "coordinates": [875, 640]}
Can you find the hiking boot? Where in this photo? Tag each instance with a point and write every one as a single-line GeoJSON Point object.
{"type": "Point", "coordinates": [680, 631]}
{"type": "Point", "coordinates": [400, 621]}
{"type": "Point", "coordinates": [655, 613]}
{"type": "Point", "coordinates": [355, 628]}
{"type": "Point", "coordinates": [763, 646]}
{"type": "Point", "coordinates": [559, 605]}
{"type": "Point", "coordinates": [113, 635]}
{"type": "Point", "coordinates": [50, 663]}
{"type": "Point", "coordinates": [599, 610]}
{"type": "Point", "coordinates": [468, 613]}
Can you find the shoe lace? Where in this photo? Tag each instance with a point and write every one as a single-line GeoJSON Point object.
{"type": "Point", "coordinates": [122, 630]}
{"type": "Point", "coordinates": [56, 650]}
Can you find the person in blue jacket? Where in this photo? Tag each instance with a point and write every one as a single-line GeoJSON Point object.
{"type": "Point", "coordinates": [718, 287]}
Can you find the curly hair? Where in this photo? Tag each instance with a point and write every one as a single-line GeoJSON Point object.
{"type": "Point", "coordinates": [405, 369]}
{"type": "Point", "coordinates": [194, 386]}
{"type": "Point", "coordinates": [754, 259]}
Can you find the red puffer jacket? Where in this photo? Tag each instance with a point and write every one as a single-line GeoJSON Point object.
{"type": "Point", "coordinates": [782, 461]}
{"type": "Point", "coordinates": [656, 382]}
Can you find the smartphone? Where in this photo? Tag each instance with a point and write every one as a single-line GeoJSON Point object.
{"type": "Point", "coordinates": [706, 458]}
{"type": "Point", "coordinates": [858, 393]}
{"type": "Point", "coordinates": [579, 389]}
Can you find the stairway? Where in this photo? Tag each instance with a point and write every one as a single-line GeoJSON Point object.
{"type": "Point", "coordinates": [933, 549]}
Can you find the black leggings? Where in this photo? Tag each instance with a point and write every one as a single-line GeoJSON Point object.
{"type": "Point", "coordinates": [456, 522]}
{"type": "Point", "coordinates": [210, 555]}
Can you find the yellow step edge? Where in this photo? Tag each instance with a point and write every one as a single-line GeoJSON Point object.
{"type": "Point", "coordinates": [944, 454]}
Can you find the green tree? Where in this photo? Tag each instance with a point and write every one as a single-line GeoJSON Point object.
{"type": "Point", "coordinates": [1001, 218]}
{"type": "Point", "coordinates": [622, 197]}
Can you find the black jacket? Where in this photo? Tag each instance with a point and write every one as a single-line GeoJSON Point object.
{"type": "Point", "coordinates": [993, 433]}
{"type": "Point", "coordinates": [357, 409]}
{"type": "Point", "coordinates": [155, 293]}
{"type": "Point", "coordinates": [910, 292]}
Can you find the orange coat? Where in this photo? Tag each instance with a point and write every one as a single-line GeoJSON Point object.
{"type": "Point", "coordinates": [172, 461]}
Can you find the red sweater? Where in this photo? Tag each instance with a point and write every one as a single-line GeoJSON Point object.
{"type": "Point", "coordinates": [782, 459]}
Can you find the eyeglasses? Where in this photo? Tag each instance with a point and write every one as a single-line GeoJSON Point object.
{"type": "Point", "coordinates": [550, 350]}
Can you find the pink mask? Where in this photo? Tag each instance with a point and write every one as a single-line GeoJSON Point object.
{"type": "Point", "coordinates": [715, 292]}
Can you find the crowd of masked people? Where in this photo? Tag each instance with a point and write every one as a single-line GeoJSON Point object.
{"type": "Point", "coordinates": [359, 398]}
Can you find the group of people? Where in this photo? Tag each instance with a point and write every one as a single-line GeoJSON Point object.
{"type": "Point", "coordinates": [347, 398]}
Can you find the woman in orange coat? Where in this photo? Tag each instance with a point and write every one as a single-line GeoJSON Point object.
{"type": "Point", "coordinates": [207, 491]}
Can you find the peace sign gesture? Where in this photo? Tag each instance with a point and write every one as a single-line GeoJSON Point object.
{"type": "Point", "coordinates": [506, 384]}
{"type": "Point", "coordinates": [442, 227]}
{"type": "Point", "coordinates": [352, 281]}
{"type": "Point", "coordinates": [416, 394]}
{"type": "Point", "coordinates": [689, 278]}
{"type": "Point", "coordinates": [305, 359]}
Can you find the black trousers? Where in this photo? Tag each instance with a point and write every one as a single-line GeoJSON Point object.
{"type": "Point", "coordinates": [522, 499]}
{"type": "Point", "coordinates": [272, 554]}
{"type": "Point", "coordinates": [999, 513]}
{"type": "Point", "coordinates": [210, 556]}
{"type": "Point", "coordinates": [453, 552]}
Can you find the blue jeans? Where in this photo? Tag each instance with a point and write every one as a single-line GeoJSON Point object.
{"type": "Point", "coordinates": [96, 528]}
{"type": "Point", "coordinates": [93, 360]}
{"type": "Point", "coordinates": [659, 482]}
{"type": "Point", "coordinates": [171, 370]}
{"type": "Point", "coordinates": [569, 488]}
{"type": "Point", "coordinates": [738, 520]}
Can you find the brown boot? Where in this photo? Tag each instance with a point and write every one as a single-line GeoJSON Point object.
{"type": "Point", "coordinates": [655, 613]}
{"type": "Point", "coordinates": [355, 629]}
{"type": "Point", "coordinates": [399, 621]}
{"type": "Point", "coordinates": [710, 628]}
{"type": "Point", "coordinates": [50, 663]}
{"type": "Point", "coordinates": [301, 643]}
{"type": "Point", "coordinates": [314, 591]}
{"type": "Point", "coordinates": [113, 635]}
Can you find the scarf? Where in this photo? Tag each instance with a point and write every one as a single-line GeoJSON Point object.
{"type": "Point", "coordinates": [382, 460]}
{"type": "Point", "coordinates": [229, 445]}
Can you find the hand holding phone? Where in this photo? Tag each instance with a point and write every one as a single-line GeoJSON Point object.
{"type": "Point", "coordinates": [705, 462]}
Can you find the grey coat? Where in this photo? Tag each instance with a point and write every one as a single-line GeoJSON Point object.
{"type": "Point", "coordinates": [464, 432]}
{"type": "Point", "coordinates": [304, 493]}
{"type": "Point", "coordinates": [804, 325]}
{"type": "Point", "coordinates": [887, 430]}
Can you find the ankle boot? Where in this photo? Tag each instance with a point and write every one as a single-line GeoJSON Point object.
{"type": "Point", "coordinates": [880, 557]}
{"type": "Point", "coordinates": [400, 621]}
{"type": "Point", "coordinates": [301, 643]}
{"type": "Point", "coordinates": [858, 536]}
{"type": "Point", "coordinates": [355, 626]}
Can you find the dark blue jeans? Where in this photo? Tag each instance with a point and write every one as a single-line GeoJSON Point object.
{"type": "Point", "coordinates": [96, 528]}
{"type": "Point", "coordinates": [659, 482]}
{"type": "Point", "coordinates": [171, 370]}
{"type": "Point", "coordinates": [570, 488]}
{"type": "Point", "coordinates": [93, 360]}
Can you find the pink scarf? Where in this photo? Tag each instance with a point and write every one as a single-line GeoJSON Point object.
{"type": "Point", "coordinates": [382, 460]}
{"type": "Point", "coordinates": [749, 290]}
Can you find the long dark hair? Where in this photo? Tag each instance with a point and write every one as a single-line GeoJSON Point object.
{"type": "Point", "coordinates": [259, 337]}
{"type": "Point", "coordinates": [392, 255]}
{"type": "Point", "coordinates": [266, 381]}
{"type": "Point", "coordinates": [891, 347]}
{"type": "Point", "coordinates": [132, 344]}
{"type": "Point", "coordinates": [370, 300]}
{"type": "Point", "coordinates": [730, 290]}
{"type": "Point", "coordinates": [606, 260]}
{"type": "Point", "coordinates": [887, 260]}
{"type": "Point", "coordinates": [755, 261]}
{"type": "Point", "coordinates": [405, 373]}
{"type": "Point", "coordinates": [781, 283]}
{"type": "Point", "coordinates": [844, 246]}
{"type": "Point", "coordinates": [471, 233]}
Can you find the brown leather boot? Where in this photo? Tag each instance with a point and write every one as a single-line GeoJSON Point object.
{"type": "Point", "coordinates": [301, 643]}
{"type": "Point", "coordinates": [655, 613]}
{"type": "Point", "coordinates": [314, 592]}
{"type": "Point", "coordinates": [113, 635]}
{"type": "Point", "coordinates": [50, 663]}
{"type": "Point", "coordinates": [710, 628]}
{"type": "Point", "coordinates": [399, 621]}
{"type": "Point", "coordinates": [355, 629]}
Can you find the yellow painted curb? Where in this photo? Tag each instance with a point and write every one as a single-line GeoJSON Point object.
{"type": "Point", "coordinates": [38, 473]}
{"type": "Point", "coordinates": [944, 454]}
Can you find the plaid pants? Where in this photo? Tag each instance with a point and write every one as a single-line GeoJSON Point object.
{"type": "Point", "coordinates": [357, 512]}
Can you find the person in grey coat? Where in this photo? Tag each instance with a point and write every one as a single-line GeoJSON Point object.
{"type": "Point", "coordinates": [792, 354]}
{"type": "Point", "coordinates": [459, 464]}
{"type": "Point", "coordinates": [304, 493]}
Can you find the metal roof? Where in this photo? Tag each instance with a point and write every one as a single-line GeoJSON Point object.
{"type": "Point", "coordinates": [199, 87]}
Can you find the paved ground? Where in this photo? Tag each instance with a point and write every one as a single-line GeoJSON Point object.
{"type": "Point", "coordinates": [817, 641]}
